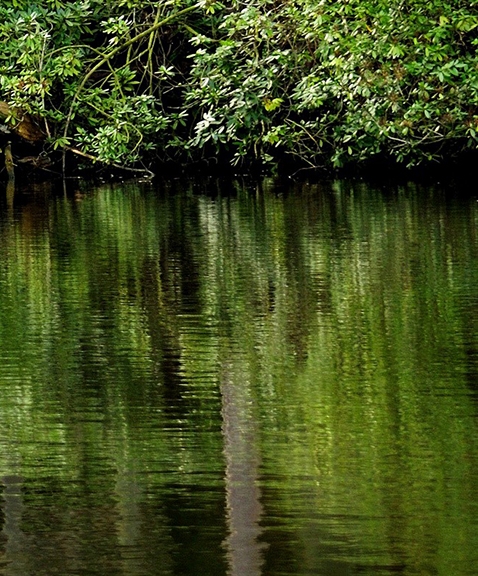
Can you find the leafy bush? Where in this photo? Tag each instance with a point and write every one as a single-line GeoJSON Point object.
{"type": "Point", "coordinates": [327, 82]}
{"type": "Point", "coordinates": [93, 73]}
{"type": "Point", "coordinates": [340, 80]}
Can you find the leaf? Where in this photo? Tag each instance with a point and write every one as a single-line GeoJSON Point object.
{"type": "Point", "coordinates": [271, 105]}
{"type": "Point", "coordinates": [61, 143]}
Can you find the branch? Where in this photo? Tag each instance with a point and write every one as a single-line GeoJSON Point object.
{"type": "Point", "coordinates": [24, 126]}
{"type": "Point", "coordinates": [119, 166]}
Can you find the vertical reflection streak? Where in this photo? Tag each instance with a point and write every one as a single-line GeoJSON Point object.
{"type": "Point", "coordinates": [244, 508]}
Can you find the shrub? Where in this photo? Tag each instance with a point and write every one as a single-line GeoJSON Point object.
{"type": "Point", "coordinates": [326, 82]}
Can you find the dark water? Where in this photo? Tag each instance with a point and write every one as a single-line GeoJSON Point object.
{"type": "Point", "coordinates": [236, 379]}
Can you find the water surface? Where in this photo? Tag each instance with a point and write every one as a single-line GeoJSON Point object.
{"type": "Point", "coordinates": [231, 378]}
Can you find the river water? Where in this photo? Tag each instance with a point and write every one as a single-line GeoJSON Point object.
{"type": "Point", "coordinates": [239, 378]}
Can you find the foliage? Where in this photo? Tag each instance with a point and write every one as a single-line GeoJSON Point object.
{"type": "Point", "coordinates": [92, 72]}
{"type": "Point", "coordinates": [325, 82]}
{"type": "Point", "coordinates": [339, 80]}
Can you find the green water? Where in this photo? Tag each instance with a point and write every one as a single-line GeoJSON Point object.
{"type": "Point", "coordinates": [226, 378]}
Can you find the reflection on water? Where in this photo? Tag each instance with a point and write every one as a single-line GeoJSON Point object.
{"type": "Point", "coordinates": [224, 378]}
{"type": "Point", "coordinates": [242, 474]}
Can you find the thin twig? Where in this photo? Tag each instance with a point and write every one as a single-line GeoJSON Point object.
{"type": "Point", "coordinates": [119, 166]}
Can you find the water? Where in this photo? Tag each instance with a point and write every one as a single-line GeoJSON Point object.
{"type": "Point", "coordinates": [227, 378]}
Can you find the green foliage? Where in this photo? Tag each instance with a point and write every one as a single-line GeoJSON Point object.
{"type": "Point", "coordinates": [351, 79]}
{"type": "Point", "coordinates": [326, 82]}
{"type": "Point", "coordinates": [70, 65]}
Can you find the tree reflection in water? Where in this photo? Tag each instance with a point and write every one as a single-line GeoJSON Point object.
{"type": "Point", "coordinates": [243, 494]}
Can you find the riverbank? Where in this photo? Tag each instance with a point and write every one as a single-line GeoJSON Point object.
{"type": "Point", "coordinates": [33, 164]}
